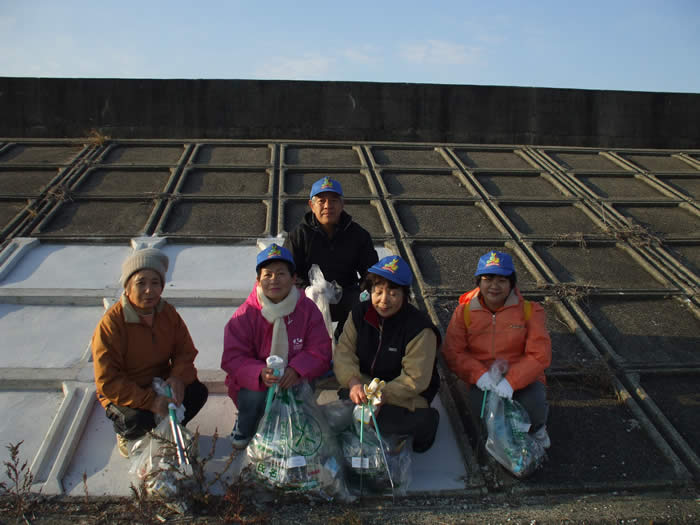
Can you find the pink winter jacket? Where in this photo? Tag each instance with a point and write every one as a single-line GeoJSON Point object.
{"type": "Point", "coordinates": [247, 339]}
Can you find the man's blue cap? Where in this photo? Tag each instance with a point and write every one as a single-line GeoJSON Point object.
{"type": "Point", "coordinates": [275, 252]}
{"type": "Point", "coordinates": [326, 184]}
{"type": "Point", "coordinates": [394, 269]}
{"type": "Point", "coordinates": [497, 263]}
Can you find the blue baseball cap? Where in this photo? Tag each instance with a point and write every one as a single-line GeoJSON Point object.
{"type": "Point", "coordinates": [325, 184]}
{"type": "Point", "coordinates": [275, 252]}
{"type": "Point", "coordinates": [395, 269]}
{"type": "Point", "coordinates": [497, 263]}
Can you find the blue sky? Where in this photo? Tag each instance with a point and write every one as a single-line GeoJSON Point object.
{"type": "Point", "coordinates": [626, 45]}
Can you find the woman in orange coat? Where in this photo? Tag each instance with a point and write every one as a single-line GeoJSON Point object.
{"type": "Point", "coordinates": [500, 325]}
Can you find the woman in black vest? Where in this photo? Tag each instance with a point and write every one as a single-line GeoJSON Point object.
{"type": "Point", "coordinates": [390, 339]}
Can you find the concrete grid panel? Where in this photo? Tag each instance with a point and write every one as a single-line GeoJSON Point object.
{"type": "Point", "coordinates": [446, 220]}
{"type": "Point", "coordinates": [39, 154]}
{"type": "Point", "coordinates": [206, 327]}
{"type": "Point", "coordinates": [674, 395]}
{"type": "Point", "coordinates": [321, 156]}
{"type": "Point", "coordinates": [367, 214]}
{"type": "Point", "coordinates": [584, 161]}
{"type": "Point", "coordinates": [233, 155]}
{"type": "Point", "coordinates": [111, 182]}
{"type": "Point", "coordinates": [452, 267]}
{"type": "Point", "coordinates": [49, 266]}
{"type": "Point", "coordinates": [667, 221]}
{"type": "Point", "coordinates": [218, 218]}
{"type": "Point", "coordinates": [647, 331]}
{"type": "Point", "coordinates": [657, 162]}
{"type": "Point", "coordinates": [140, 154]}
{"type": "Point", "coordinates": [297, 183]}
{"type": "Point", "coordinates": [27, 416]}
{"type": "Point", "coordinates": [621, 187]}
{"type": "Point", "coordinates": [9, 210]}
{"type": "Point", "coordinates": [579, 410]}
{"type": "Point", "coordinates": [688, 185]}
{"type": "Point", "coordinates": [687, 254]}
{"type": "Point", "coordinates": [568, 353]}
{"type": "Point", "coordinates": [226, 183]}
{"type": "Point", "coordinates": [97, 218]}
{"type": "Point", "coordinates": [416, 157]}
{"type": "Point", "coordinates": [598, 265]}
{"type": "Point", "coordinates": [210, 267]}
{"type": "Point", "coordinates": [491, 159]}
{"type": "Point", "coordinates": [25, 182]}
{"type": "Point", "coordinates": [46, 336]}
{"type": "Point", "coordinates": [426, 184]}
{"type": "Point", "coordinates": [518, 185]}
{"type": "Point", "coordinates": [555, 220]}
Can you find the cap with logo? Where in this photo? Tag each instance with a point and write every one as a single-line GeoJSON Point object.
{"type": "Point", "coordinates": [395, 269]}
{"type": "Point", "coordinates": [275, 252]}
{"type": "Point", "coordinates": [325, 184]}
{"type": "Point", "coordinates": [496, 263]}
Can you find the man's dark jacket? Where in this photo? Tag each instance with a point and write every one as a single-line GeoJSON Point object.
{"type": "Point", "coordinates": [341, 258]}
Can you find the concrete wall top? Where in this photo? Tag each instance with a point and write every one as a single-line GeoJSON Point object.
{"type": "Point", "coordinates": [346, 111]}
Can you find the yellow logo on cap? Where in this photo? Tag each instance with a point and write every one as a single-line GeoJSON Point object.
{"type": "Point", "coordinates": [326, 184]}
{"type": "Point", "coordinates": [274, 251]}
{"type": "Point", "coordinates": [493, 260]}
{"type": "Point", "coordinates": [392, 266]}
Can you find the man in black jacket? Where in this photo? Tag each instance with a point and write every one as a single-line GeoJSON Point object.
{"type": "Point", "coordinates": [328, 236]}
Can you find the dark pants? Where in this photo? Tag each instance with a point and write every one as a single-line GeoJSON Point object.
{"type": "Point", "coordinates": [421, 424]}
{"type": "Point", "coordinates": [340, 311]}
{"type": "Point", "coordinates": [533, 398]}
{"type": "Point", "coordinates": [132, 423]}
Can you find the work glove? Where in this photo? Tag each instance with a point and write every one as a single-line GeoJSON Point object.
{"type": "Point", "coordinates": [485, 382]}
{"type": "Point", "coordinates": [503, 389]}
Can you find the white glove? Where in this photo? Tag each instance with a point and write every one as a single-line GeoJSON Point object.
{"type": "Point", "coordinates": [485, 382]}
{"type": "Point", "coordinates": [503, 389]}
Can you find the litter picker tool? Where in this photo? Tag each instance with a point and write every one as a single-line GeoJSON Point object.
{"type": "Point", "coordinates": [182, 457]}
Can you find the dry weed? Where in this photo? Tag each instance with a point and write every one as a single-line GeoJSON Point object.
{"type": "Point", "coordinates": [97, 138]}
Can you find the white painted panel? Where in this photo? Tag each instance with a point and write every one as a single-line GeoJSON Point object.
{"type": "Point", "coordinates": [26, 416]}
{"type": "Point", "coordinates": [45, 336]}
{"type": "Point", "coordinates": [441, 467]}
{"type": "Point", "coordinates": [212, 268]}
{"type": "Point", "coordinates": [108, 473]}
{"type": "Point", "coordinates": [206, 326]}
{"type": "Point", "coordinates": [68, 266]}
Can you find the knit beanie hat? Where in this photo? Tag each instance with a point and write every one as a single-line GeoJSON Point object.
{"type": "Point", "coordinates": [147, 258]}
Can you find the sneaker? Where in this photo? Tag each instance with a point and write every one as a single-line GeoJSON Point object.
{"type": "Point", "coordinates": [238, 440]}
{"type": "Point", "coordinates": [542, 436]}
{"type": "Point", "coordinates": [123, 446]}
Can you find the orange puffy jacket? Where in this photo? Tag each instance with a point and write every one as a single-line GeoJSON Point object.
{"type": "Point", "coordinates": [504, 334]}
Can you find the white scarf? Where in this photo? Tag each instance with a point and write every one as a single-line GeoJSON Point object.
{"type": "Point", "coordinates": [275, 313]}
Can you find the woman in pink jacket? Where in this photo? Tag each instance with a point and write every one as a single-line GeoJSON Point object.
{"type": "Point", "coordinates": [276, 319]}
{"type": "Point", "coordinates": [493, 322]}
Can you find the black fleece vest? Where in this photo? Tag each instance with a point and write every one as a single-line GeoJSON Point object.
{"type": "Point", "coordinates": [381, 344]}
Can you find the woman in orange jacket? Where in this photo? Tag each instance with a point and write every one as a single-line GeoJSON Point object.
{"type": "Point", "coordinates": [493, 322]}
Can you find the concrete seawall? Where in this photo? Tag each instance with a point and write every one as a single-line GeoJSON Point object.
{"type": "Point", "coordinates": [296, 110]}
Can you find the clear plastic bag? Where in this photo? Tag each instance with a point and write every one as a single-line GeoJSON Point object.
{"type": "Point", "coordinates": [293, 449]}
{"type": "Point", "coordinates": [508, 441]}
{"type": "Point", "coordinates": [366, 460]}
{"type": "Point", "coordinates": [323, 294]}
{"type": "Point", "coordinates": [155, 462]}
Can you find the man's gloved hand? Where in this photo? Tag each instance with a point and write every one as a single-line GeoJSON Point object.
{"type": "Point", "coordinates": [485, 382]}
{"type": "Point", "coordinates": [503, 389]}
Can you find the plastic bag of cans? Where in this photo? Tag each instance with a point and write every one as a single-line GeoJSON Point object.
{"type": "Point", "coordinates": [293, 450]}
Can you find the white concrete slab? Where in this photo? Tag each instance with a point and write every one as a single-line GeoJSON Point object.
{"type": "Point", "coordinates": [211, 268]}
{"type": "Point", "coordinates": [68, 266]}
{"type": "Point", "coordinates": [25, 416]}
{"type": "Point", "coordinates": [441, 467]}
{"type": "Point", "coordinates": [46, 336]}
{"type": "Point", "coordinates": [206, 326]}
